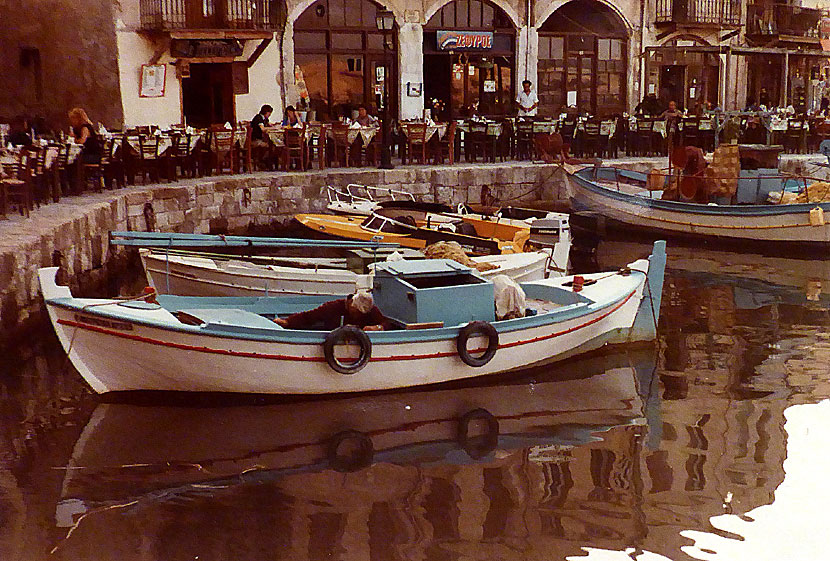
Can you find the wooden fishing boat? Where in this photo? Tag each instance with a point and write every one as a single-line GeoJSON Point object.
{"type": "Point", "coordinates": [416, 225]}
{"type": "Point", "coordinates": [563, 406]}
{"type": "Point", "coordinates": [623, 201]}
{"type": "Point", "coordinates": [182, 343]}
{"type": "Point", "coordinates": [194, 274]}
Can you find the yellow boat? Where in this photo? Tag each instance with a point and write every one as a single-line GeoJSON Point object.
{"type": "Point", "coordinates": [418, 225]}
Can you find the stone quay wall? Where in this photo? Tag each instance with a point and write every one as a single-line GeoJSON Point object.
{"type": "Point", "coordinates": [73, 232]}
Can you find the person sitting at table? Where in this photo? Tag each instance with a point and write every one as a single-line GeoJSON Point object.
{"type": "Point", "coordinates": [754, 132]}
{"type": "Point", "coordinates": [672, 116]}
{"type": "Point", "coordinates": [19, 134]}
{"type": "Point", "coordinates": [363, 117]}
{"type": "Point", "coordinates": [258, 124]}
{"type": "Point", "coordinates": [648, 107]}
{"type": "Point", "coordinates": [292, 118]}
{"type": "Point", "coordinates": [357, 309]}
{"type": "Point", "coordinates": [84, 133]}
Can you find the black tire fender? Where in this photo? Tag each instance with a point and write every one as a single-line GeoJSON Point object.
{"type": "Point", "coordinates": [340, 335]}
{"type": "Point", "coordinates": [359, 456]}
{"type": "Point", "coordinates": [478, 446]}
{"type": "Point", "coordinates": [477, 328]}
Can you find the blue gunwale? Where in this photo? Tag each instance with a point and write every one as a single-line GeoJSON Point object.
{"type": "Point", "coordinates": [277, 335]}
{"type": "Point", "coordinates": [582, 177]}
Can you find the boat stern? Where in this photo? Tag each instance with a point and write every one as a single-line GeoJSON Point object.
{"type": "Point", "coordinates": [648, 314]}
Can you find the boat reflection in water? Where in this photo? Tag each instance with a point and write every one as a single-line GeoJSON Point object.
{"type": "Point", "coordinates": [396, 476]}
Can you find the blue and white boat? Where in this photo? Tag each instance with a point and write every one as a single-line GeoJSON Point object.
{"type": "Point", "coordinates": [445, 311]}
{"type": "Point", "coordinates": [623, 202]}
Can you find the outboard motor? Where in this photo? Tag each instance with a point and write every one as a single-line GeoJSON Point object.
{"type": "Point", "coordinates": [553, 232]}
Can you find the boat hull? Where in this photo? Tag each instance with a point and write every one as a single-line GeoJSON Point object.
{"type": "Point", "coordinates": [767, 224]}
{"type": "Point", "coordinates": [118, 346]}
{"type": "Point", "coordinates": [193, 275]}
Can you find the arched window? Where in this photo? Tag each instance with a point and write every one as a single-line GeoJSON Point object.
{"type": "Point", "coordinates": [339, 55]}
{"type": "Point", "coordinates": [583, 52]}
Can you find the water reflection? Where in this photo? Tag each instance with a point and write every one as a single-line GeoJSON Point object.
{"type": "Point", "coordinates": [444, 469]}
{"type": "Point", "coordinates": [675, 454]}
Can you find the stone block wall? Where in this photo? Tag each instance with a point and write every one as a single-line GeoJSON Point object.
{"type": "Point", "coordinates": [73, 233]}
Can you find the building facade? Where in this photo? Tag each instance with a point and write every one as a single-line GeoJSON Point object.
{"type": "Point", "coordinates": [214, 61]}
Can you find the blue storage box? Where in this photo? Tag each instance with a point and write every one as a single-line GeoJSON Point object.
{"type": "Point", "coordinates": [433, 290]}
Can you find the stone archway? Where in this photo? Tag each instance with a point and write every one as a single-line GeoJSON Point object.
{"type": "Point", "coordinates": [583, 59]}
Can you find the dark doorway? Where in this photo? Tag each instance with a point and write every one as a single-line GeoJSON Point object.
{"type": "Point", "coordinates": [207, 96]}
{"type": "Point", "coordinates": [672, 85]}
{"type": "Point", "coordinates": [437, 70]}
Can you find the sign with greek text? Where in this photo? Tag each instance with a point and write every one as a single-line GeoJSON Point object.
{"type": "Point", "coordinates": [464, 40]}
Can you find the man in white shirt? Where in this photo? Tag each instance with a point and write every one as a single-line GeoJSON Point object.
{"type": "Point", "coordinates": [527, 100]}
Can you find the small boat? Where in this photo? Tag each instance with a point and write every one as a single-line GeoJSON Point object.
{"type": "Point", "coordinates": [187, 344]}
{"type": "Point", "coordinates": [195, 274]}
{"type": "Point", "coordinates": [623, 201]}
{"type": "Point", "coordinates": [417, 225]}
{"type": "Point", "coordinates": [559, 407]}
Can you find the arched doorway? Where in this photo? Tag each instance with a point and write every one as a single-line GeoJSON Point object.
{"type": "Point", "coordinates": [338, 54]}
{"type": "Point", "coordinates": [583, 54]}
{"type": "Point", "coordinates": [469, 52]}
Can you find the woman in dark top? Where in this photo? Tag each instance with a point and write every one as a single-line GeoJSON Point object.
{"type": "Point", "coordinates": [84, 133]}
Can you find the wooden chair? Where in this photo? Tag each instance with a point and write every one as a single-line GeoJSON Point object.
{"type": "Point", "coordinates": [524, 138]}
{"type": "Point", "coordinates": [590, 144]}
{"type": "Point", "coordinates": [339, 146]}
{"type": "Point", "coordinates": [317, 146]}
{"type": "Point", "coordinates": [416, 141]}
{"type": "Point", "coordinates": [221, 150]}
{"type": "Point", "coordinates": [294, 149]}
{"type": "Point", "coordinates": [794, 136]}
{"type": "Point", "coordinates": [477, 142]}
{"type": "Point", "coordinates": [247, 158]}
{"type": "Point", "coordinates": [445, 145]}
{"type": "Point", "coordinates": [148, 157]}
{"type": "Point", "coordinates": [112, 163]}
{"type": "Point", "coordinates": [643, 137]}
{"type": "Point", "coordinates": [691, 132]}
{"type": "Point", "coordinates": [19, 189]}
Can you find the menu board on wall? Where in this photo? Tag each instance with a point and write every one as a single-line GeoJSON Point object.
{"type": "Point", "coordinates": [153, 77]}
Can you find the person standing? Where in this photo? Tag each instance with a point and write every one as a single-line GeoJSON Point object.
{"type": "Point", "coordinates": [527, 100]}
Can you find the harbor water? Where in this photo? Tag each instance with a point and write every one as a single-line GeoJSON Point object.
{"type": "Point", "coordinates": [712, 444]}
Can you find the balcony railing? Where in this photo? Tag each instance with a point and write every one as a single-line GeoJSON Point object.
{"type": "Point", "coordinates": [699, 12]}
{"type": "Point", "coordinates": [163, 15]}
{"type": "Point", "coordinates": [782, 20]}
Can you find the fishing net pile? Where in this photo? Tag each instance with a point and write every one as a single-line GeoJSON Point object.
{"type": "Point", "coordinates": [453, 250]}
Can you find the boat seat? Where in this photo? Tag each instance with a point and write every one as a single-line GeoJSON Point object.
{"type": "Point", "coordinates": [225, 319]}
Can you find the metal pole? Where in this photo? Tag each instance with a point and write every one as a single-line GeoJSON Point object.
{"type": "Point", "coordinates": [385, 148]}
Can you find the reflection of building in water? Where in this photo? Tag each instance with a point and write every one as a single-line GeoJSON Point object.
{"type": "Point", "coordinates": [523, 504]}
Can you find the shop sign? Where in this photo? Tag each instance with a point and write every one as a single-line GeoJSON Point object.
{"type": "Point", "coordinates": [205, 48]}
{"type": "Point", "coordinates": [464, 40]}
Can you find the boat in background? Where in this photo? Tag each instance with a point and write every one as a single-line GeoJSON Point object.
{"type": "Point", "coordinates": [626, 202]}
{"type": "Point", "coordinates": [196, 344]}
{"type": "Point", "coordinates": [417, 225]}
{"type": "Point", "coordinates": [194, 274]}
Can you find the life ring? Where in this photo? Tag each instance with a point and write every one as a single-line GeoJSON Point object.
{"type": "Point", "coordinates": [340, 335]}
{"type": "Point", "coordinates": [480, 445]}
{"type": "Point", "coordinates": [357, 457]}
{"type": "Point", "coordinates": [477, 328]}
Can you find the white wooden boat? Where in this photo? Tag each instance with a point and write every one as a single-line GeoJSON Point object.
{"type": "Point", "coordinates": [563, 406]}
{"type": "Point", "coordinates": [231, 345]}
{"type": "Point", "coordinates": [623, 203]}
{"type": "Point", "coordinates": [191, 274]}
